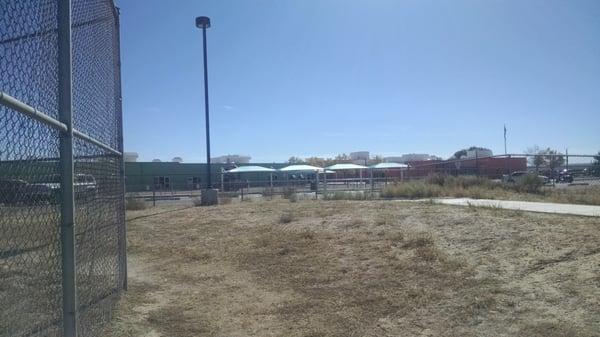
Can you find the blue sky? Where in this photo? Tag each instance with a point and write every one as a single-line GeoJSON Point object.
{"type": "Point", "coordinates": [309, 77]}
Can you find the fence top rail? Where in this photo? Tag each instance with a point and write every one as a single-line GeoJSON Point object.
{"type": "Point", "coordinates": [31, 112]}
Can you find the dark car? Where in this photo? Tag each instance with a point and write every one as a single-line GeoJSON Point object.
{"type": "Point", "coordinates": [565, 177]}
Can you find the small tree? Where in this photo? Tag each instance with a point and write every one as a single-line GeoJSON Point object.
{"type": "Point", "coordinates": [316, 161]}
{"type": "Point", "coordinates": [295, 160]}
{"type": "Point", "coordinates": [554, 158]}
{"type": "Point", "coordinates": [536, 159]}
{"type": "Point", "coordinates": [378, 159]}
{"type": "Point", "coordinates": [539, 160]}
{"type": "Point", "coordinates": [459, 154]}
{"type": "Point", "coordinates": [342, 158]}
{"type": "Point", "coordinates": [463, 153]}
{"type": "Point", "coordinates": [596, 163]}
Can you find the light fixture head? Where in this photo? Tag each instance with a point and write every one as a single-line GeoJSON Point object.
{"type": "Point", "coordinates": [203, 22]}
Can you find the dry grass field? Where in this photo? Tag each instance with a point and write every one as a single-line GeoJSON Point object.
{"type": "Point", "coordinates": [359, 268]}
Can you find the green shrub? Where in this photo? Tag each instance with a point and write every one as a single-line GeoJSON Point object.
{"type": "Point", "coordinates": [530, 183]}
{"type": "Point", "coordinates": [459, 181]}
{"type": "Point", "coordinates": [412, 190]}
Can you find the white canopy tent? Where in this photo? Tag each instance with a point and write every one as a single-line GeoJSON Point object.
{"type": "Point", "coordinates": [385, 166]}
{"type": "Point", "coordinates": [347, 166]}
{"type": "Point", "coordinates": [301, 168]}
{"type": "Point", "coordinates": [308, 168]}
{"type": "Point", "coordinates": [250, 169]}
{"type": "Point", "coordinates": [388, 166]}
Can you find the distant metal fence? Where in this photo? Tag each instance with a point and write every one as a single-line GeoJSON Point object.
{"type": "Point", "coordinates": [62, 214]}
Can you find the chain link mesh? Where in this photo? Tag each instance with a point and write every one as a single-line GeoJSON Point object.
{"type": "Point", "coordinates": [30, 251]}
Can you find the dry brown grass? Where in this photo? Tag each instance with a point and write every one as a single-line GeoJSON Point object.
{"type": "Point", "coordinates": [135, 204]}
{"type": "Point", "coordinates": [360, 268]}
{"type": "Point", "coordinates": [484, 189]}
{"type": "Point", "coordinates": [587, 195]}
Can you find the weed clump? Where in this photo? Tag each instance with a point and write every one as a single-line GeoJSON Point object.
{"type": "Point", "coordinates": [412, 190]}
{"type": "Point", "coordinates": [289, 192]}
{"type": "Point", "coordinates": [530, 183]}
{"type": "Point", "coordinates": [347, 196]}
{"type": "Point", "coordinates": [286, 218]}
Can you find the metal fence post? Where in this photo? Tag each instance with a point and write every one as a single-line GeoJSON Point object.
{"type": "Point", "coordinates": [67, 209]}
{"type": "Point", "coordinates": [317, 184]}
{"type": "Point", "coordinates": [372, 187]}
{"type": "Point", "coordinates": [122, 238]}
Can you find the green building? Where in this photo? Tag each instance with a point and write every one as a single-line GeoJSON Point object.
{"type": "Point", "coordinates": [172, 176]}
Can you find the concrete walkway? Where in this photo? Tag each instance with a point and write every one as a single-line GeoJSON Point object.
{"type": "Point", "coordinates": [544, 207]}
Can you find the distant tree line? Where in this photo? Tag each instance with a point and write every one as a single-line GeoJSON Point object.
{"type": "Point", "coordinates": [545, 158]}
{"type": "Point", "coordinates": [323, 162]}
{"type": "Point", "coordinates": [463, 153]}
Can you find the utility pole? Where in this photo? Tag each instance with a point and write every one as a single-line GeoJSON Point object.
{"type": "Point", "coordinates": [208, 196]}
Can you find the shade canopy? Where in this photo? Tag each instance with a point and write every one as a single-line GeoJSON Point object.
{"type": "Point", "coordinates": [250, 169]}
{"type": "Point", "coordinates": [340, 167]}
{"type": "Point", "coordinates": [293, 168]}
{"type": "Point", "coordinates": [383, 166]}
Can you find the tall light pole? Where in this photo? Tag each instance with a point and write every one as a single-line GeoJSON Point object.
{"type": "Point", "coordinates": [203, 22]}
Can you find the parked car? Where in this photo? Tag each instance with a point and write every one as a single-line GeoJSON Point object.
{"type": "Point", "coordinates": [48, 190]}
{"type": "Point", "coordinates": [517, 176]}
{"type": "Point", "coordinates": [565, 176]}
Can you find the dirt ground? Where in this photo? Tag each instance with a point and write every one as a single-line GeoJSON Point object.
{"type": "Point", "coordinates": [359, 268]}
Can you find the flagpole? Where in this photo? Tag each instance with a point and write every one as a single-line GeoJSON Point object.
{"type": "Point", "coordinates": [505, 152]}
{"type": "Point", "coordinates": [506, 157]}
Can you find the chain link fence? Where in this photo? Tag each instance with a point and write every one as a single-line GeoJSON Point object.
{"type": "Point", "coordinates": [35, 274]}
{"type": "Point", "coordinates": [164, 182]}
